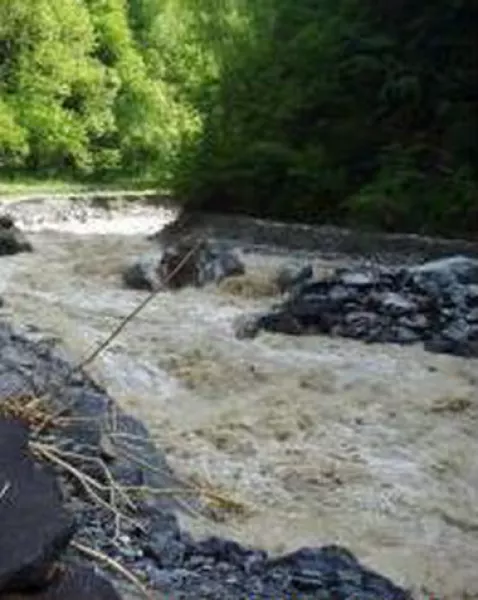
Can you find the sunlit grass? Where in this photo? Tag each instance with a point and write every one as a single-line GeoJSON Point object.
{"type": "Point", "coordinates": [11, 187]}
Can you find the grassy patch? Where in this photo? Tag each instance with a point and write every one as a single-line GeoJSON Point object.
{"type": "Point", "coordinates": [12, 187]}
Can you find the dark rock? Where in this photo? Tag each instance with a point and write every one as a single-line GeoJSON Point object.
{"type": "Point", "coordinates": [227, 551]}
{"type": "Point", "coordinates": [397, 305]}
{"type": "Point", "coordinates": [143, 273]}
{"type": "Point", "coordinates": [461, 268]}
{"type": "Point", "coordinates": [6, 222]}
{"type": "Point", "coordinates": [358, 324]}
{"type": "Point", "coordinates": [340, 294]}
{"type": "Point", "coordinates": [35, 527]}
{"type": "Point", "coordinates": [281, 322]}
{"type": "Point", "coordinates": [403, 335]}
{"type": "Point", "coordinates": [417, 321]}
{"type": "Point", "coordinates": [72, 583]}
{"type": "Point", "coordinates": [247, 326]}
{"type": "Point", "coordinates": [291, 276]}
{"type": "Point", "coordinates": [472, 295]}
{"type": "Point", "coordinates": [358, 280]}
{"type": "Point", "coordinates": [12, 240]}
{"type": "Point", "coordinates": [472, 316]}
{"type": "Point", "coordinates": [183, 263]}
{"type": "Point", "coordinates": [337, 572]}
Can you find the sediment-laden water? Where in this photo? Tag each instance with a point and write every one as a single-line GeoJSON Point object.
{"type": "Point", "coordinates": [320, 440]}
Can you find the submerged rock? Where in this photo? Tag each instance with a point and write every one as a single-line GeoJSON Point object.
{"type": "Point", "coordinates": [71, 583]}
{"type": "Point", "coordinates": [289, 277]}
{"type": "Point", "coordinates": [143, 274]}
{"type": "Point", "coordinates": [12, 239]}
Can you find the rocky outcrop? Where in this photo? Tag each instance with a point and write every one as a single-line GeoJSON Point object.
{"type": "Point", "coordinates": [436, 303]}
{"type": "Point", "coordinates": [185, 262]}
{"type": "Point", "coordinates": [12, 240]}
{"type": "Point", "coordinates": [148, 539]}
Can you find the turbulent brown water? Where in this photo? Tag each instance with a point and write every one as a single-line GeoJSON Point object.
{"type": "Point", "coordinates": [320, 440]}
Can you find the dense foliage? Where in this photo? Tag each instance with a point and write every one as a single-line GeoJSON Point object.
{"type": "Point", "coordinates": [338, 111]}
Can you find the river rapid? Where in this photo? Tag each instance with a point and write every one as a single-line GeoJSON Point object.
{"type": "Point", "coordinates": [319, 440]}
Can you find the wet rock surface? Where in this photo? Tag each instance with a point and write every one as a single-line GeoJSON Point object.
{"type": "Point", "coordinates": [185, 262]}
{"type": "Point", "coordinates": [147, 539]}
{"type": "Point", "coordinates": [435, 303]}
{"type": "Point", "coordinates": [12, 239]}
{"type": "Point", "coordinates": [35, 527]}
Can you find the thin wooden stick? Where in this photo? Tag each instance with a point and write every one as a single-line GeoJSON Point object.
{"type": "Point", "coordinates": [91, 357]}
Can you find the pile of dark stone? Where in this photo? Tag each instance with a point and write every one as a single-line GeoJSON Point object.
{"type": "Point", "coordinates": [12, 239]}
{"type": "Point", "coordinates": [43, 507]}
{"type": "Point", "coordinates": [435, 303]}
{"type": "Point", "coordinates": [187, 261]}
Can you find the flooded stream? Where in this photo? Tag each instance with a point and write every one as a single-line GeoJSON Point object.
{"type": "Point", "coordinates": [321, 440]}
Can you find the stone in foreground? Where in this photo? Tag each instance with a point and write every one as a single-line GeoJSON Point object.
{"type": "Point", "coordinates": [71, 583]}
{"type": "Point", "coordinates": [35, 529]}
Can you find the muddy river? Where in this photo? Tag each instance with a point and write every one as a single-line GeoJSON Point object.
{"type": "Point", "coordinates": [320, 440]}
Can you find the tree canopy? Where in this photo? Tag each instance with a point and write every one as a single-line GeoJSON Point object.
{"type": "Point", "coordinates": [343, 111]}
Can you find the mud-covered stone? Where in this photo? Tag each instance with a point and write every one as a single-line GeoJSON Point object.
{"type": "Point", "coordinates": [34, 527]}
